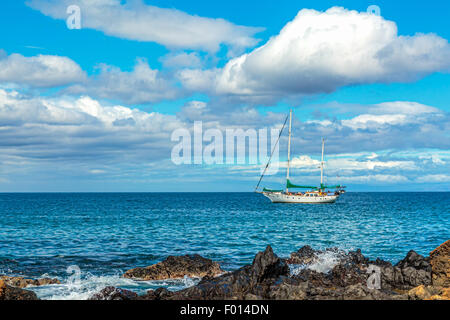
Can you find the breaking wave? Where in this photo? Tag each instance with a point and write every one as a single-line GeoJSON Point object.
{"type": "Point", "coordinates": [323, 262]}
{"type": "Point", "coordinates": [90, 284]}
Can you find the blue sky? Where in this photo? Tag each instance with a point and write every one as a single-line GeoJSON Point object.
{"type": "Point", "coordinates": [94, 109]}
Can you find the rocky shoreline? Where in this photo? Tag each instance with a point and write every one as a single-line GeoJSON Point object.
{"type": "Point", "coordinates": [302, 276]}
{"type": "Point", "coordinates": [11, 288]}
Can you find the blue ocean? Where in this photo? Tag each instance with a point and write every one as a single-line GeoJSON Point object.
{"type": "Point", "coordinates": [95, 237]}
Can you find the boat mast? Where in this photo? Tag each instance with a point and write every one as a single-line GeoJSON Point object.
{"type": "Point", "coordinates": [289, 148]}
{"type": "Point", "coordinates": [321, 164]}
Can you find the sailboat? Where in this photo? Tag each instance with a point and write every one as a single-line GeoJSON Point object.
{"type": "Point", "coordinates": [313, 194]}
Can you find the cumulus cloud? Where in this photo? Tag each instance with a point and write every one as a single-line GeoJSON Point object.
{"type": "Point", "coordinates": [393, 113]}
{"type": "Point", "coordinates": [172, 28]}
{"type": "Point", "coordinates": [436, 160]}
{"type": "Point", "coordinates": [318, 52]}
{"type": "Point", "coordinates": [141, 85]}
{"type": "Point", "coordinates": [383, 178]}
{"type": "Point", "coordinates": [61, 139]}
{"type": "Point", "coordinates": [436, 178]}
{"type": "Point", "coordinates": [182, 59]}
{"type": "Point", "coordinates": [67, 136]}
{"type": "Point", "coordinates": [41, 71]}
{"type": "Point", "coordinates": [197, 79]}
{"type": "Point", "coordinates": [395, 167]}
{"type": "Point", "coordinates": [307, 163]}
{"type": "Point", "coordinates": [396, 125]}
{"type": "Point", "coordinates": [194, 111]}
{"type": "Point", "coordinates": [66, 127]}
{"type": "Point", "coordinates": [82, 128]}
{"type": "Point", "coordinates": [90, 118]}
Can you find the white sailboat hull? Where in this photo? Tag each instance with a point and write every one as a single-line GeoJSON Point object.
{"type": "Point", "coordinates": [278, 197]}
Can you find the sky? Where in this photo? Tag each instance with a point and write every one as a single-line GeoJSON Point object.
{"type": "Point", "coordinates": [98, 106]}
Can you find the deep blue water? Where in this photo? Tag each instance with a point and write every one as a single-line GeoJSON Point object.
{"type": "Point", "coordinates": [105, 234]}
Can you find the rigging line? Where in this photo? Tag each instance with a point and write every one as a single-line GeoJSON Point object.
{"type": "Point", "coordinates": [273, 150]}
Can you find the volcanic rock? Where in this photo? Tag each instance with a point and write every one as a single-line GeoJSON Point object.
{"type": "Point", "coordinates": [345, 278]}
{"type": "Point", "coordinates": [21, 282]}
{"type": "Point", "coordinates": [247, 282]}
{"type": "Point", "coordinates": [112, 293]}
{"type": "Point", "coordinates": [8, 292]}
{"type": "Point", "coordinates": [175, 267]}
{"type": "Point", "coordinates": [440, 265]}
{"type": "Point", "coordinates": [412, 271]}
{"type": "Point", "coordinates": [304, 255]}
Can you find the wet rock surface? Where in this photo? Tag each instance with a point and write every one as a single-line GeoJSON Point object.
{"type": "Point", "coordinates": [305, 255]}
{"type": "Point", "coordinates": [21, 282]}
{"type": "Point", "coordinates": [175, 267]}
{"type": "Point", "coordinates": [414, 270]}
{"type": "Point", "coordinates": [112, 293]}
{"type": "Point", "coordinates": [8, 292]}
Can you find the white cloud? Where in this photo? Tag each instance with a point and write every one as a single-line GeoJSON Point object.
{"type": "Point", "coordinates": [404, 107]}
{"type": "Point", "coordinates": [141, 85]}
{"type": "Point", "coordinates": [377, 178]}
{"type": "Point", "coordinates": [194, 111]}
{"type": "Point", "coordinates": [402, 126]}
{"type": "Point", "coordinates": [66, 136]}
{"type": "Point", "coordinates": [352, 164]}
{"type": "Point", "coordinates": [438, 178]}
{"type": "Point", "coordinates": [392, 113]}
{"type": "Point", "coordinates": [395, 113]}
{"type": "Point", "coordinates": [197, 80]}
{"type": "Point", "coordinates": [319, 52]}
{"type": "Point", "coordinates": [67, 128]}
{"type": "Point", "coordinates": [182, 59]}
{"type": "Point", "coordinates": [335, 163]}
{"type": "Point", "coordinates": [362, 121]}
{"type": "Point", "coordinates": [304, 161]}
{"type": "Point", "coordinates": [368, 179]}
{"type": "Point", "coordinates": [39, 71]}
{"type": "Point", "coordinates": [436, 160]}
{"type": "Point", "coordinates": [135, 20]}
